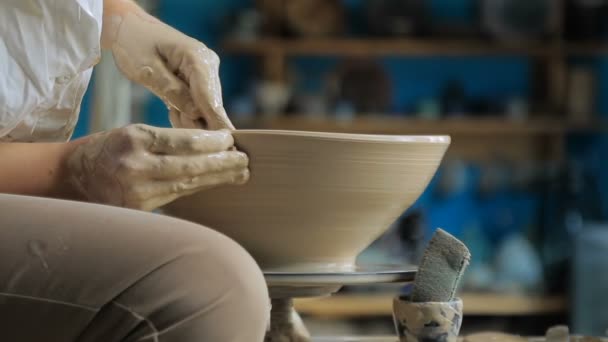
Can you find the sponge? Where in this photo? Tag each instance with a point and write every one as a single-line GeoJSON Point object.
{"type": "Point", "coordinates": [441, 268]}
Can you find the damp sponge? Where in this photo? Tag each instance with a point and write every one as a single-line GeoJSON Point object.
{"type": "Point", "coordinates": [441, 268]}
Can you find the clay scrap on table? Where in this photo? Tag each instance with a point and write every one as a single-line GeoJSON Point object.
{"type": "Point", "coordinates": [494, 337]}
{"type": "Point", "coordinates": [559, 333]}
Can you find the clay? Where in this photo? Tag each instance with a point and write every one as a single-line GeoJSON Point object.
{"type": "Point", "coordinates": [494, 337]}
{"type": "Point", "coordinates": [558, 333]}
{"type": "Point", "coordinates": [144, 167]}
{"type": "Point", "coordinates": [588, 339]}
{"type": "Point", "coordinates": [316, 199]}
{"type": "Point", "coordinates": [427, 321]}
{"type": "Point", "coordinates": [180, 70]}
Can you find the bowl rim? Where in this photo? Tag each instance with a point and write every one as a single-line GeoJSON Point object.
{"type": "Point", "coordinates": [384, 138]}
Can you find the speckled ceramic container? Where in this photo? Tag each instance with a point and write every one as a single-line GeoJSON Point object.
{"type": "Point", "coordinates": [428, 321]}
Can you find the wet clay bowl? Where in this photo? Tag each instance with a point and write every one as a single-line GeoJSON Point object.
{"type": "Point", "coordinates": [316, 199]}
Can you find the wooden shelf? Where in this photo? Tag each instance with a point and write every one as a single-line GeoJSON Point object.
{"type": "Point", "coordinates": [351, 306]}
{"type": "Point", "coordinates": [381, 47]}
{"type": "Point", "coordinates": [408, 47]}
{"type": "Point", "coordinates": [402, 125]}
{"type": "Point", "coordinates": [587, 49]}
{"type": "Point", "coordinates": [539, 139]}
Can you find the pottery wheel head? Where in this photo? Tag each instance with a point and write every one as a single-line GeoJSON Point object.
{"type": "Point", "coordinates": [277, 292]}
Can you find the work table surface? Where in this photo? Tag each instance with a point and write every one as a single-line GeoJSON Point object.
{"type": "Point", "coordinates": [394, 339]}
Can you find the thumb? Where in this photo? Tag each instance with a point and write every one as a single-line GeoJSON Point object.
{"type": "Point", "coordinates": [199, 68]}
{"type": "Point", "coordinates": [206, 92]}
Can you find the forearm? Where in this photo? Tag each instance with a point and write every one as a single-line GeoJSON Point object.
{"type": "Point", "coordinates": [113, 13]}
{"type": "Point", "coordinates": [36, 169]}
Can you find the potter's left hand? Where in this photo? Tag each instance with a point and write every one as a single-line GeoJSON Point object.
{"type": "Point", "coordinates": [182, 71]}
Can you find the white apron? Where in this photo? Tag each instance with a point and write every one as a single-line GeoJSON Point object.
{"type": "Point", "coordinates": [47, 51]}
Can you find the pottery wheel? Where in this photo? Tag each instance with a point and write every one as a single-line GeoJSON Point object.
{"type": "Point", "coordinates": [286, 284]}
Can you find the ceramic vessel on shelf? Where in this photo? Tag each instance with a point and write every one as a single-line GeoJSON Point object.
{"type": "Point", "coordinates": [314, 199]}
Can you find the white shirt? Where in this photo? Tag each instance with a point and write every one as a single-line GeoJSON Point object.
{"type": "Point", "coordinates": [47, 51]}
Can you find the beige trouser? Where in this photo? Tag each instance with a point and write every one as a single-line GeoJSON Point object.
{"type": "Point", "coordinates": [73, 271]}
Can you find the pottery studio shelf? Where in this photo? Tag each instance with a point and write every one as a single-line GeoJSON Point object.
{"type": "Point", "coordinates": [379, 47]}
{"type": "Point", "coordinates": [405, 47]}
{"type": "Point", "coordinates": [587, 49]}
{"type": "Point", "coordinates": [474, 138]}
{"type": "Point", "coordinates": [475, 304]}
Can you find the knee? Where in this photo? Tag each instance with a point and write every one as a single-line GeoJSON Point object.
{"type": "Point", "coordinates": [195, 285]}
{"type": "Point", "coordinates": [208, 280]}
{"type": "Point", "coordinates": [208, 266]}
{"type": "Point", "coordinates": [238, 272]}
{"type": "Point", "coordinates": [227, 275]}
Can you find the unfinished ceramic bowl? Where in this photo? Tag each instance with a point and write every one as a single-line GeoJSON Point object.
{"type": "Point", "coordinates": [316, 199]}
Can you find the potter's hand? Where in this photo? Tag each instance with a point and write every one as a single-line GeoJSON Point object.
{"type": "Point", "coordinates": [180, 70]}
{"type": "Point", "coordinates": [144, 167]}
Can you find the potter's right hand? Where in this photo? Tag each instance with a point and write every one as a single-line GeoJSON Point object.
{"type": "Point", "coordinates": [145, 167]}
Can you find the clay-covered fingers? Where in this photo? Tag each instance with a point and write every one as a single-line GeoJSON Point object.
{"type": "Point", "coordinates": [171, 167]}
{"type": "Point", "coordinates": [165, 84]}
{"type": "Point", "coordinates": [180, 120]}
{"type": "Point", "coordinates": [159, 193]}
{"type": "Point", "coordinates": [175, 118]}
{"type": "Point", "coordinates": [206, 92]}
{"type": "Point", "coordinates": [178, 96]}
{"type": "Point", "coordinates": [188, 185]}
{"type": "Point", "coordinates": [182, 141]}
{"type": "Point", "coordinates": [199, 97]}
{"type": "Point", "coordinates": [199, 67]}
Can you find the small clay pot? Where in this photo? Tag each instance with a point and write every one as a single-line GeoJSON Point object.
{"type": "Point", "coordinates": [427, 321]}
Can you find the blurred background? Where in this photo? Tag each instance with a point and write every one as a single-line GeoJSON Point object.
{"type": "Point", "coordinates": [520, 85]}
